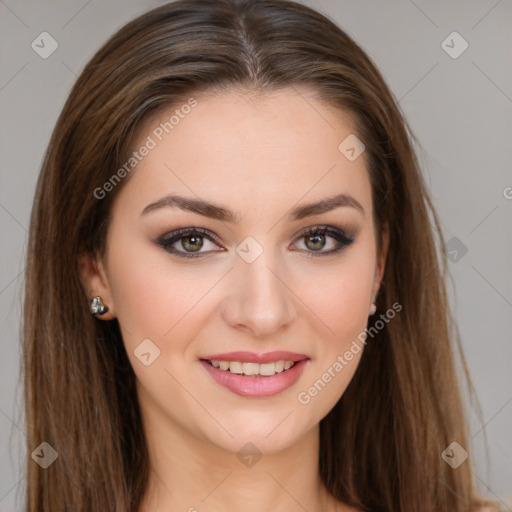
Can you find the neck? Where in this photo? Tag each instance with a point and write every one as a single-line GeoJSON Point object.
{"type": "Point", "coordinates": [192, 474]}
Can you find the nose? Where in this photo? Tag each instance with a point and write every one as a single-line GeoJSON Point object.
{"type": "Point", "coordinates": [259, 301]}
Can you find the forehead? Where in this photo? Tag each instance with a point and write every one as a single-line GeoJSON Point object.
{"type": "Point", "coordinates": [245, 147]}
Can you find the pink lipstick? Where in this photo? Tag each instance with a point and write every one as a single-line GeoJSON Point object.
{"type": "Point", "coordinates": [255, 375]}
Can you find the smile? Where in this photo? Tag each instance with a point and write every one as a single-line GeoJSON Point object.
{"type": "Point", "coordinates": [263, 375]}
{"type": "Point", "coordinates": [253, 369]}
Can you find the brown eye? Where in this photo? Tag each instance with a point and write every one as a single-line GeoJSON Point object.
{"type": "Point", "coordinates": [315, 242]}
{"type": "Point", "coordinates": [192, 243]}
{"type": "Point", "coordinates": [323, 240]}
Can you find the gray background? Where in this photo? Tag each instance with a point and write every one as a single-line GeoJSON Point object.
{"type": "Point", "coordinates": [460, 109]}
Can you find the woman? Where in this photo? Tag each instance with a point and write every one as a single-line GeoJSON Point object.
{"type": "Point", "coordinates": [233, 296]}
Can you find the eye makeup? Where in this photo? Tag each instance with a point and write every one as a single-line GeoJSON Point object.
{"type": "Point", "coordinates": [190, 241]}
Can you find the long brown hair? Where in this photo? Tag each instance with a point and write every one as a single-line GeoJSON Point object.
{"type": "Point", "coordinates": [381, 445]}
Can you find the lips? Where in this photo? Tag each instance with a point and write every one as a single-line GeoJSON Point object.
{"type": "Point", "coordinates": [256, 385]}
{"type": "Point", "coordinates": [252, 357]}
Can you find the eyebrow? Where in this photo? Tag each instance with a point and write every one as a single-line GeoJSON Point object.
{"type": "Point", "coordinates": [214, 211]}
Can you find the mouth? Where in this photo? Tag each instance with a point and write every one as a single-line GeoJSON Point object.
{"type": "Point", "coordinates": [252, 369]}
{"type": "Point", "coordinates": [252, 375]}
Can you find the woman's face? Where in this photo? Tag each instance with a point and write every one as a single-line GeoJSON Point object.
{"type": "Point", "coordinates": [252, 174]}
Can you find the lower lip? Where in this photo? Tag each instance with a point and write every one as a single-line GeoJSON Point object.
{"type": "Point", "coordinates": [256, 386]}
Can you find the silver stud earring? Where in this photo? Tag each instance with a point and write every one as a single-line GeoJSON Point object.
{"type": "Point", "coordinates": [97, 307]}
{"type": "Point", "coordinates": [373, 308]}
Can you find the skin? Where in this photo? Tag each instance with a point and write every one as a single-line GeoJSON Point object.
{"type": "Point", "coordinates": [259, 156]}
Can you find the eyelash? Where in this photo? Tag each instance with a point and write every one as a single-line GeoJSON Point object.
{"type": "Point", "coordinates": [167, 240]}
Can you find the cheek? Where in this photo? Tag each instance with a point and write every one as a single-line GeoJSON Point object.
{"type": "Point", "coordinates": [340, 299]}
{"type": "Point", "coordinates": [342, 305]}
{"type": "Point", "coordinates": [151, 295]}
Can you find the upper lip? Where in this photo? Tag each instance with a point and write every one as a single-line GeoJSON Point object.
{"type": "Point", "coordinates": [252, 357]}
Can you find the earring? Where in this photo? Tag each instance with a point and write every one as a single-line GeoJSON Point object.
{"type": "Point", "coordinates": [373, 308]}
{"type": "Point", "coordinates": [97, 307]}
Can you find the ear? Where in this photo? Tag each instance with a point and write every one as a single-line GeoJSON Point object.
{"type": "Point", "coordinates": [381, 260]}
{"type": "Point", "coordinates": [95, 283]}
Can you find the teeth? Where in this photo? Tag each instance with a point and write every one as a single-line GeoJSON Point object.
{"type": "Point", "coordinates": [266, 369]}
{"type": "Point", "coordinates": [236, 367]}
{"type": "Point", "coordinates": [249, 368]}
